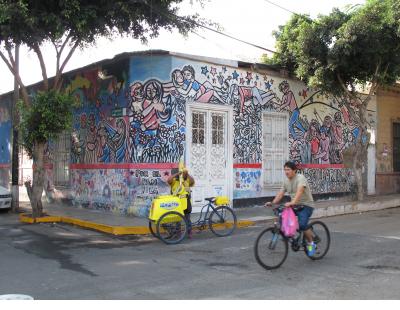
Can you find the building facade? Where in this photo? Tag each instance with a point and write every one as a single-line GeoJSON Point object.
{"type": "Point", "coordinates": [388, 140]}
{"type": "Point", "coordinates": [234, 124]}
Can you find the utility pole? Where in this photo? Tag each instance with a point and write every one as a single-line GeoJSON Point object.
{"type": "Point", "coordinates": [15, 145]}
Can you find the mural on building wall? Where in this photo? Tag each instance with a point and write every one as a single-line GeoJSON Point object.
{"type": "Point", "coordinates": [144, 122]}
{"type": "Point", "coordinates": [123, 191]}
{"type": "Point", "coordinates": [328, 180]}
{"type": "Point", "coordinates": [5, 146]}
{"type": "Point", "coordinates": [5, 133]}
{"type": "Point", "coordinates": [142, 119]}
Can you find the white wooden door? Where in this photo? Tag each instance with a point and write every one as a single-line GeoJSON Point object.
{"type": "Point", "coordinates": [275, 148]}
{"type": "Point", "coordinates": [208, 156]}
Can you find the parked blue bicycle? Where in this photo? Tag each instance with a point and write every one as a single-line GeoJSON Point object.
{"type": "Point", "coordinates": [216, 215]}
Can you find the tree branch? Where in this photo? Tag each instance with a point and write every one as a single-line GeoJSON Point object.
{"type": "Point", "coordinates": [59, 51]}
{"type": "Point", "coordinates": [71, 52]}
{"type": "Point", "coordinates": [346, 90]}
{"type": "Point", "coordinates": [10, 55]}
{"type": "Point", "coordinates": [65, 43]}
{"type": "Point", "coordinates": [7, 62]}
{"type": "Point", "coordinates": [38, 52]}
{"type": "Point", "coordinates": [17, 76]}
{"type": "Point", "coordinates": [57, 84]}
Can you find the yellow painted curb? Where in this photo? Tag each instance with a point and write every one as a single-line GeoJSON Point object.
{"type": "Point", "coordinates": [131, 230]}
{"type": "Point", "coordinates": [114, 230]}
{"type": "Point", "coordinates": [241, 224]}
{"type": "Point", "coordinates": [45, 219]}
{"type": "Point", "coordinates": [25, 219]}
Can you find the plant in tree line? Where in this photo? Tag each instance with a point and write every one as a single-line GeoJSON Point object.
{"type": "Point", "coordinates": [68, 25]}
{"type": "Point", "coordinates": [343, 53]}
{"type": "Point", "coordinates": [49, 114]}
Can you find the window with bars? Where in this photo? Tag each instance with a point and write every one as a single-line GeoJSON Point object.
{"type": "Point", "coordinates": [198, 127]}
{"type": "Point", "coordinates": [61, 156]}
{"type": "Point", "coordinates": [217, 129]}
{"type": "Point", "coordinates": [24, 166]}
{"type": "Point", "coordinates": [396, 147]}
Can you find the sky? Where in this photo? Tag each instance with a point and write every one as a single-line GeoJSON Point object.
{"type": "Point", "coordinates": [251, 20]}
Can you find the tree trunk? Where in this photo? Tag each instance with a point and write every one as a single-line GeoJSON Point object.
{"type": "Point", "coordinates": [35, 189]}
{"type": "Point", "coordinates": [360, 154]}
{"type": "Point", "coordinates": [357, 170]}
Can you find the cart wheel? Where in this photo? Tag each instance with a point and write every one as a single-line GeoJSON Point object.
{"type": "Point", "coordinates": [172, 227]}
{"type": "Point", "coordinates": [153, 229]}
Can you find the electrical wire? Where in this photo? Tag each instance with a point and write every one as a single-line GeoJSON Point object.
{"type": "Point", "coordinates": [174, 16]}
{"type": "Point", "coordinates": [290, 11]}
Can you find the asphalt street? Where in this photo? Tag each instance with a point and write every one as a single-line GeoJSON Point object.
{"type": "Point", "coordinates": [58, 261]}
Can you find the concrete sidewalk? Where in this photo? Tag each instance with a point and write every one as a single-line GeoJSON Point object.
{"type": "Point", "coordinates": [118, 224]}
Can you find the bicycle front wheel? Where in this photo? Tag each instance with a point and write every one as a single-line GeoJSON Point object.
{"type": "Point", "coordinates": [271, 248]}
{"type": "Point", "coordinates": [222, 221]}
{"type": "Point", "coordinates": [172, 227]}
{"type": "Point", "coordinates": [321, 238]}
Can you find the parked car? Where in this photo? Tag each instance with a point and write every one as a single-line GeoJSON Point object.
{"type": "Point", "coordinates": [5, 198]}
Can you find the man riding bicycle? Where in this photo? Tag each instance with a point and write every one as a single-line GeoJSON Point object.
{"type": "Point", "coordinates": [297, 187]}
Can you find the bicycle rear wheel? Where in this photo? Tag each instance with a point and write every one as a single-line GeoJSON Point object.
{"type": "Point", "coordinates": [153, 228]}
{"type": "Point", "coordinates": [222, 221]}
{"type": "Point", "coordinates": [172, 227]}
{"type": "Point", "coordinates": [322, 239]}
{"type": "Point", "coordinates": [271, 248]}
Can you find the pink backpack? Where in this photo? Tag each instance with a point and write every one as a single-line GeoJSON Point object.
{"type": "Point", "coordinates": [290, 225]}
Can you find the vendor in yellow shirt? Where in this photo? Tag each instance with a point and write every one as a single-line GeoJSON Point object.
{"type": "Point", "coordinates": [187, 183]}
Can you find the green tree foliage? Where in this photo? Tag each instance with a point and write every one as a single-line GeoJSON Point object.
{"type": "Point", "coordinates": [68, 25]}
{"type": "Point", "coordinates": [342, 53]}
{"type": "Point", "coordinates": [78, 23]}
{"type": "Point", "coordinates": [343, 48]}
{"type": "Point", "coordinates": [49, 115]}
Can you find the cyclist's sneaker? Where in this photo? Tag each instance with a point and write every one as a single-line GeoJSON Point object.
{"type": "Point", "coordinates": [311, 249]}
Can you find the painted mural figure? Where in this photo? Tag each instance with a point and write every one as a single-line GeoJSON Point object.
{"type": "Point", "coordinates": [153, 109]}
{"type": "Point", "coordinates": [288, 100]}
{"type": "Point", "coordinates": [91, 141]}
{"type": "Point", "coordinates": [83, 131]}
{"type": "Point", "coordinates": [136, 93]}
{"type": "Point", "coordinates": [103, 150]}
{"type": "Point", "coordinates": [118, 140]}
{"type": "Point", "coordinates": [324, 144]}
{"type": "Point", "coordinates": [314, 142]}
{"type": "Point", "coordinates": [186, 85]}
{"type": "Point", "coordinates": [243, 96]}
{"type": "Point", "coordinates": [348, 116]}
{"type": "Point", "coordinates": [338, 137]}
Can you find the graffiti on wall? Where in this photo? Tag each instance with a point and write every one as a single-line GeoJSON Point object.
{"type": "Point", "coordinates": [142, 119]}
{"type": "Point", "coordinates": [247, 183]}
{"type": "Point", "coordinates": [5, 146]}
{"type": "Point", "coordinates": [144, 122]}
{"type": "Point", "coordinates": [5, 134]}
{"type": "Point", "coordinates": [328, 180]}
{"type": "Point", "coordinates": [123, 191]}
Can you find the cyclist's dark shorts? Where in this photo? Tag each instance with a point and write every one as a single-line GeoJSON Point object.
{"type": "Point", "coordinates": [304, 215]}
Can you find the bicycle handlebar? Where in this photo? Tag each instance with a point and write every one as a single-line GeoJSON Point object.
{"type": "Point", "coordinates": [281, 207]}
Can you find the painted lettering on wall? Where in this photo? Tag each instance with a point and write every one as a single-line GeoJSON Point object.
{"type": "Point", "coordinates": [124, 191]}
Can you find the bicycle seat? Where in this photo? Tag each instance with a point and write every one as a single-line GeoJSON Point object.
{"type": "Point", "coordinates": [210, 199]}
